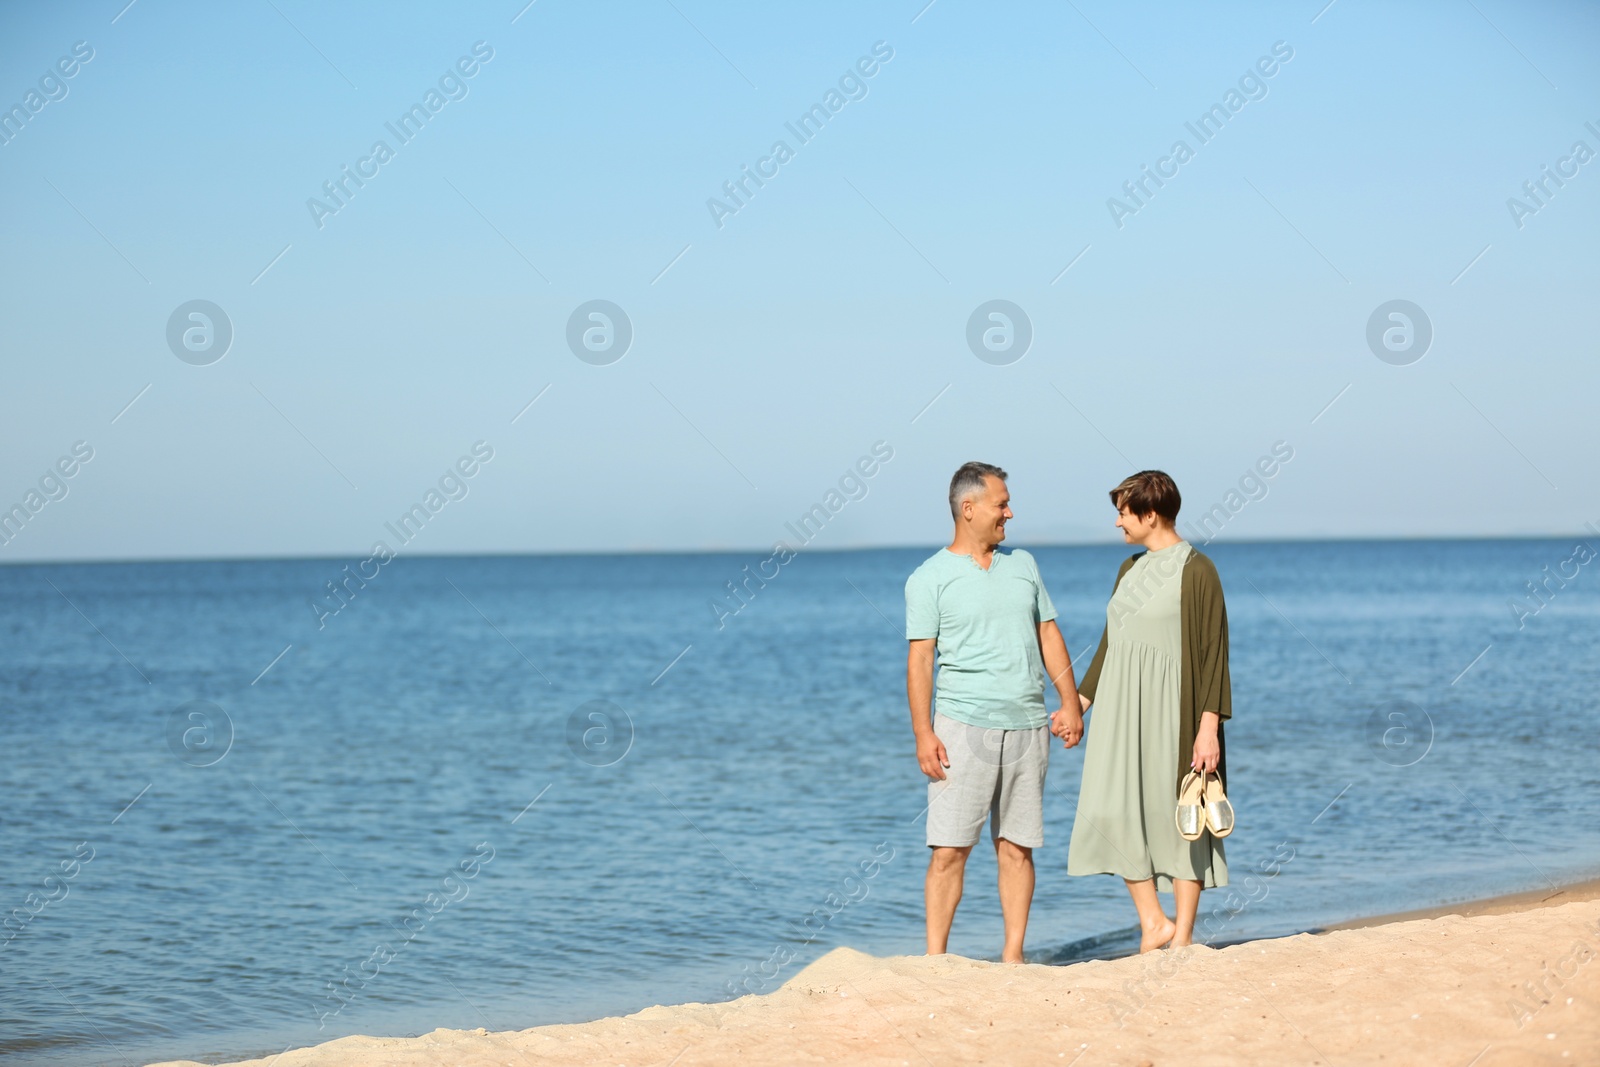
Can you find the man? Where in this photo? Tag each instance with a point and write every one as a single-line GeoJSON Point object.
{"type": "Point", "coordinates": [987, 614]}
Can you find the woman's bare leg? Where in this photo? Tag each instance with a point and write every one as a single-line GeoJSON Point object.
{"type": "Point", "coordinates": [1186, 894]}
{"type": "Point", "coordinates": [1157, 928]}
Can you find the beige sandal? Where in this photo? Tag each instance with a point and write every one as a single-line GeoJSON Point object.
{"type": "Point", "coordinates": [1190, 815]}
{"type": "Point", "coordinates": [1219, 812]}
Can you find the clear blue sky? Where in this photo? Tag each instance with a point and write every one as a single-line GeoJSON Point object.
{"type": "Point", "coordinates": [768, 355]}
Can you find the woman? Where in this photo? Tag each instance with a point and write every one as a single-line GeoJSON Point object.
{"type": "Point", "coordinates": [1160, 688]}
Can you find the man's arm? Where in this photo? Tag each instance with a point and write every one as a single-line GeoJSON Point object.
{"type": "Point", "coordinates": [1067, 723]}
{"type": "Point", "coordinates": [931, 756]}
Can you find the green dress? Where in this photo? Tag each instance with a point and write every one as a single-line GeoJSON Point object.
{"type": "Point", "coordinates": [1124, 822]}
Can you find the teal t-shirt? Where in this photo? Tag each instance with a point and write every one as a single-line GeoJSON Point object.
{"type": "Point", "coordinates": [987, 625]}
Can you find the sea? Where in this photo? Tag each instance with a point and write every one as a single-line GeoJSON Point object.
{"type": "Point", "coordinates": [253, 805]}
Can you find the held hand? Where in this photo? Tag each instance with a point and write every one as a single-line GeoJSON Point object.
{"type": "Point", "coordinates": [1206, 751]}
{"type": "Point", "coordinates": [1067, 725]}
{"type": "Point", "coordinates": [931, 756]}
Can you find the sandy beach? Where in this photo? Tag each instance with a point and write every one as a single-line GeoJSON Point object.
{"type": "Point", "coordinates": [1505, 981]}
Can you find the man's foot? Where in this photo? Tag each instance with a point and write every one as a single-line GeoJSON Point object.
{"type": "Point", "coordinates": [1182, 940]}
{"type": "Point", "coordinates": [1158, 936]}
{"type": "Point", "coordinates": [1012, 959]}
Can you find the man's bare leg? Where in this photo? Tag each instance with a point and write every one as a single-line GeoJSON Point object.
{"type": "Point", "coordinates": [1186, 893]}
{"type": "Point", "coordinates": [1157, 928]}
{"type": "Point", "coordinates": [1015, 864]}
{"type": "Point", "coordinates": [941, 893]}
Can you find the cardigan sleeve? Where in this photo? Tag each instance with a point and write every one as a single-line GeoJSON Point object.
{"type": "Point", "coordinates": [1205, 684]}
{"type": "Point", "coordinates": [1091, 677]}
{"type": "Point", "coordinates": [1213, 687]}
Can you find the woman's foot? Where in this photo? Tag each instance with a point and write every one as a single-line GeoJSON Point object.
{"type": "Point", "coordinates": [1157, 936]}
{"type": "Point", "coordinates": [1182, 940]}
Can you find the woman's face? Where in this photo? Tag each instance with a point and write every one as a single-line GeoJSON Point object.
{"type": "Point", "coordinates": [1135, 529]}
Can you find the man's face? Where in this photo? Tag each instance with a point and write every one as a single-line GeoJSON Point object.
{"type": "Point", "coordinates": [990, 510]}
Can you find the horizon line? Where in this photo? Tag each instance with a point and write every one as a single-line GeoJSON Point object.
{"type": "Point", "coordinates": [739, 551]}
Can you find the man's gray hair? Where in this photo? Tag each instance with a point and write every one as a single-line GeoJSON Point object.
{"type": "Point", "coordinates": [969, 481]}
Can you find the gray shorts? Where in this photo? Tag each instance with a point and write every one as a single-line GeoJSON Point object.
{"type": "Point", "coordinates": [993, 773]}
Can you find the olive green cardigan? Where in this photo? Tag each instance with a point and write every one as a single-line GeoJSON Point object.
{"type": "Point", "coordinates": [1205, 684]}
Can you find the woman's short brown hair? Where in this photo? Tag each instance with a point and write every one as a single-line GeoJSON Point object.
{"type": "Point", "coordinates": [1148, 491]}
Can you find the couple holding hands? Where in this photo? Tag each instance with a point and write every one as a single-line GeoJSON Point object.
{"type": "Point", "coordinates": [1159, 687]}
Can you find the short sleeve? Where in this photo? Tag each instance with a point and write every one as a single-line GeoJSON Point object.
{"type": "Point", "coordinates": [922, 607]}
{"type": "Point", "coordinates": [1042, 602]}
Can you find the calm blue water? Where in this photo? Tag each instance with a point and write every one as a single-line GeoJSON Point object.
{"type": "Point", "coordinates": [725, 821]}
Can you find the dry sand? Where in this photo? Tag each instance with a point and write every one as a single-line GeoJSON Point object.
{"type": "Point", "coordinates": [1513, 981]}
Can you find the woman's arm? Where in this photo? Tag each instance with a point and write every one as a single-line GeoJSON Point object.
{"type": "Point", "coordinates": [1213, 689]}
{"type": "Point", "coordinates": [1207, 749]}
{"type": "Point", "coordinates": [1091, 677]}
